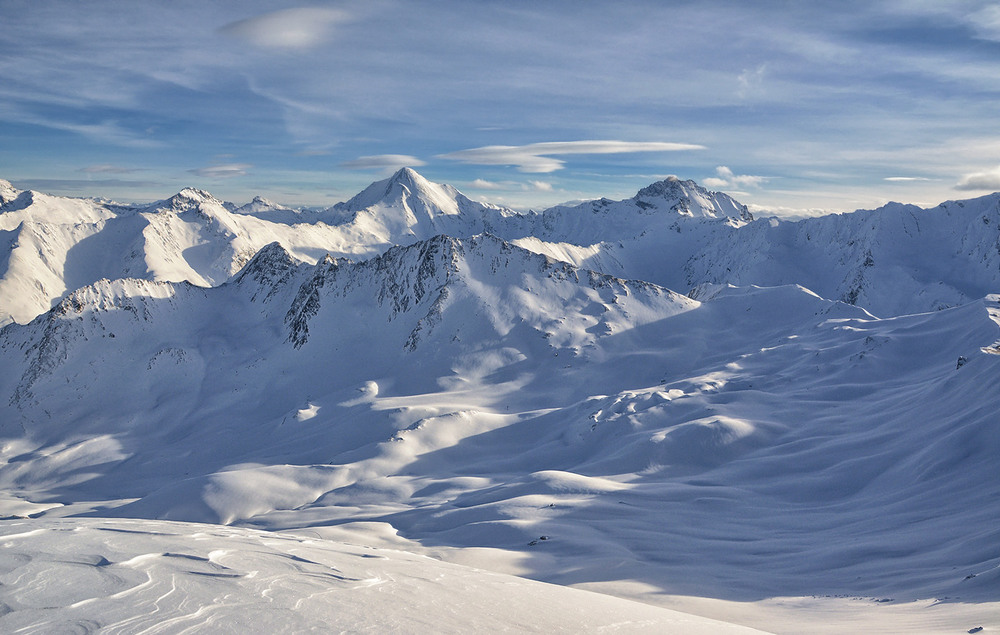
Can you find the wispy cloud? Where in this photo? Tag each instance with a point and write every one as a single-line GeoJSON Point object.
{"type": "Point", "coordinates": [76, 185]}
{"type": "Point", "coordinates": [108, 169]}
{"type": "Point", "coordinates": [988, 180]}
{"type": "Point", "coordinates": [727, 180]}
{"type": "Point", "coordinates": [108, 131]}
{"type": "Point", "coordinates": [904, 179]}
{"type": "Point", "coordinates": [300, 28]}
{"type": "Point", "coordinates": [986, 23]}
{"type": "Point", "coordinates": [537, 157]}
{"type": "Point", "coordinates": [224, 171]}
{"type": "Point", "coordinates": [383, 162]}
{"type": "Point", "coordinates": [511, 186]}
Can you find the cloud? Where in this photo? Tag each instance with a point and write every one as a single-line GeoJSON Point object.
{"type": "Point", "coordinates": [108, 169]}
{"type": "Point", "coordinates": [512, 186]}
{"type": "Point", "coordinates": [904, 179]}
{"type": "Point", "coordinates": [537, 157]}
{"type": "Point", "coordinates": [300, 28]}
{"type": "Point", "coordinates": [986, 23]}
{"type": "Point", "coordinates": [989, 180]}
{"type": "Point", "coordinates": [383, 162]}
{"type": "Point", "coordinates": [483, 184]}
{"type": "Point", "coordinates": [79, 186]}
{"type": "Point", "coordinates": [728, 180]}
{"type": "Point", "coordinates": [224, 171]}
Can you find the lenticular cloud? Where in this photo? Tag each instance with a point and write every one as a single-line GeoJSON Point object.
{"type": "Point", "coordinates": [290, 28]}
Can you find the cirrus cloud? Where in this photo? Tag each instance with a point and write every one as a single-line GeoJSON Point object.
{"type": "Point", "coordinates": [988, 180]}
{"type": "Point", "coordinates": [538, 157]}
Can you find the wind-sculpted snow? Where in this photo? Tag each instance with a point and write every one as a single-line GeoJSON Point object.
{"type": "Point", "coordinates": [125, 576]}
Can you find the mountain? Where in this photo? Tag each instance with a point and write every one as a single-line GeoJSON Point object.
{"type": "Point", "coordinates": [895, 260]}
{"type": "Point", "coordinates": [406, 207]}
{"type": "Point", "coordinates": [785, 437]}
{"type": "Point", "coordinates": [673, 233]}
{"type": "Point", "coordinates": [53, 246]}
{"type": "Point", "coordinates": [481, 399]}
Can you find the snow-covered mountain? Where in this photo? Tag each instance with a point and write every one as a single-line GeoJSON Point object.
{"type": "Point", "coordinates": [895, 260]}
{"type": "Point", "coordinates": [448, 391]}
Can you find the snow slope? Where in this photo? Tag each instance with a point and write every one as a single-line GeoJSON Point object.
{"type": "Point", "coordinates": [513, 412]}
{"type": "Point", "coordinates": [142, 576]}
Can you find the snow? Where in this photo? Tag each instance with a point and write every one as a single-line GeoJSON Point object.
{"type": "Point", "coordinates": [153, 576]}
{"type": "Point", "coordinates": [466, 406]}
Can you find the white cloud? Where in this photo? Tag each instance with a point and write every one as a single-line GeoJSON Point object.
{"type": "Point", "coordinates": [483, 184]}
{"type": "Point", "coordinates": [988, 180]}
{"type": "Point", "coordinates": [904, 179]}
{"type": "Point", "coordinates": [728, 180]}
{"type": "Point", "coordinates": [383, 162]}
{"type": "Point", "coordinates": [224, 171]}
{"type": "Point", "coordinates": [537, 157]}
{"type": "Point", "coordinates": [287, 29]}
{"type": "Point", "coordinates": [540, 186]}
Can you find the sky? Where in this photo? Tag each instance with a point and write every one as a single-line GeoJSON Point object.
{"type": "Point", "coordinates": [794, 108]}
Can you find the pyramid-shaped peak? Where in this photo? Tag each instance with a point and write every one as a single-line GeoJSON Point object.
{"type": "Point", "coordinates": [406, 183]}
{"type": "Point", "coordinates": [408, 176]}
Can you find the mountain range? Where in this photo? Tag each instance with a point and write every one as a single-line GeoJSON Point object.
{"type": "Point", "coordinates": [662, 399]}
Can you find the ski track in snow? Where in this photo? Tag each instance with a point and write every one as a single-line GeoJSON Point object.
{"type": "Point", "coordinates": [760, 455]}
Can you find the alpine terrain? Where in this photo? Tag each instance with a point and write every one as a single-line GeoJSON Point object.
{"type": "Point", "coordinates": [417, 412]}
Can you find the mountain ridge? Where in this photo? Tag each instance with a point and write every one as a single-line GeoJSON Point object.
{"type": "Point", "coordinates": [674, 233]}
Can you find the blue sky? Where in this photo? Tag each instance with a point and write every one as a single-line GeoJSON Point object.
{"type": "Point", "coordinates": [790, 106]}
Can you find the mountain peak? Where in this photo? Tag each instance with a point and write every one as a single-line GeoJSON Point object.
{"type": "Point", "coordinates": [406, 186]}
{"type": "Point", "coordinates": [687, 198]}
{"type": "Point", "coordinates": [670, 187]}
{"type": "Point", "coordinates": [187, 199]}
{"type": "Point", "coordinates": [407, 176]}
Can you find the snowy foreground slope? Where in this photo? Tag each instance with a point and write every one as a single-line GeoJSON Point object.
{"type": "Point", "coordinates": [760, 455]}
{"type": "Point", "coordinates": [153, 576]}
